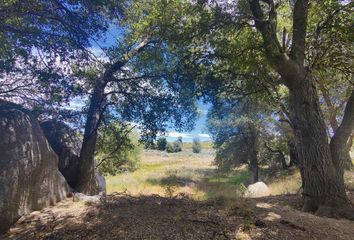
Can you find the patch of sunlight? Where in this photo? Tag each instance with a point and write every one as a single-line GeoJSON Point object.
{"type": "Point", "coordinates": [289, 184]}
{"type": "Point", "coordinates": [264, 205]}
{"type": "Point", "coordinates": [271, 216]}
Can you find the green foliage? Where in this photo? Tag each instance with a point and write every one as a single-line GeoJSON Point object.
{"type": "Point", "coordinates": [174, 147]}
{"type": "Point", "coordinates": [196, 147]}
{"type": "Point", "coordinates": [161, 144]}
{"type": "Point", "coordinates": [118, 148]}
{"type": "Point", "coordinates": [150, 144]}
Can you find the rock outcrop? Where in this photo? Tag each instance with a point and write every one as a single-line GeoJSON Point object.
{"type": "Point", "coordinates": [29, 175]}
{"type": "Point", "coordinates": [258, 189]}
{"type": "Point", "coordinates": [67, 145]}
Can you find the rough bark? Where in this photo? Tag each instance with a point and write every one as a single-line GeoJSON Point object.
{"type": "Point", "coordinates": [323, 186]}
{"type": "Point", "coordinates": [87, 181]}
{"type": "Point", "coordinates": [340, 139]}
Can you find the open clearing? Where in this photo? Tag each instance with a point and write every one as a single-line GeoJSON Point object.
{"type": "Point", "coordinates": [181, 196]}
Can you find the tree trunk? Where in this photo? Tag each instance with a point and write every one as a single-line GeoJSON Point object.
{"type": "Point", "coordinates": [294, 159]}
{"type": "Point", "coordinates": [86, 181]}
{"type": "Point", "coordinates": [253, 152]}
{"type": "Point", "coordinates": [332, 118]}
{"type": "Point", "coordinates": [323, 185]}
{"type": "Point", "coordinates": [254, 162]}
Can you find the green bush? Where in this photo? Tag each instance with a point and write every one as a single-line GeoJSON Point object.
{"type": "Point", "coordinates": [196, 147]}
{"type": "Point", "coordinates": [150, 145]}
{"type": "Point", "coordinates": [174, 147]}
{"type": "Point", "coordinates": [118, 149]}
{"type": "Point", "coordinates": [161, 144]}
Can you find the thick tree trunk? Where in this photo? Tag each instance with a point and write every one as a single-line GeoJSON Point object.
{"type": "Point", "coordinates": [323, 185]}
{"type": "Point", "coordinates": [86, 181]}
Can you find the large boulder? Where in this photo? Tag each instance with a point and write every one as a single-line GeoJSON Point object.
{"type": "Point", "coordinates": [258, 189]}
{"type": "Point", "coordinates": [29, 176]}
{"type": "Point", "coordinates": [66, 143]}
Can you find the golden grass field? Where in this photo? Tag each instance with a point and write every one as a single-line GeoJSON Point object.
{"type": "Point", "coordinates": [169, 174]}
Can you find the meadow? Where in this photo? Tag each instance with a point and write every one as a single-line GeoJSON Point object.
{"type": "Point", "coordinates": [187, 173]}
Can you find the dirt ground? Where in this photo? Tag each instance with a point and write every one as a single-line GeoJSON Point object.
{"type": "Point", "coordinates": [154, 217]}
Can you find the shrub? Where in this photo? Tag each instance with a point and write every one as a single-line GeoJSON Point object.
{"type": "Point", "coordinates": [118, 148]}
{"type": "Point", "coordinates": [174, 147]}
{"type": "Point", "coordinates": [161, 144]}
{"type": "Point", "coordinates": [150, 145]}
{"type": "Point", "coordinates": [196, 147]}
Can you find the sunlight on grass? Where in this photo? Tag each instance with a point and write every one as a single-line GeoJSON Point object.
{"type": "Point", "coordinates": [171, 174]}
{"type": "Point", "coordinates": [289, 184]}
{"type": "Point", "coordinates": [194, 175]}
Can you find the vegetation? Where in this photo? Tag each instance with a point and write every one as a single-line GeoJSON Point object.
{"type": "Point", "coordinates": [174, 147]}
{"type": "Point", "coordinates": [277, 75]}
{"type": "Point", "coordinates": [161, 144]}
{"type": "Point", "coordinates": [196, 147]}
{"type": "Point", "coordinates": [118, 149]}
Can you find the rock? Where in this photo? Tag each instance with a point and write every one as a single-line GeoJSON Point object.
{"type": "Point", "coordinates": [80, 197]}
{"type": "Point", "coordinates": [101, 182]}
{"type": "Point", "coordinates": [258, 189]}
{"type": "Point", "coordinates": [29, 176]}
{"type": "Point", "coordinates": [67, 145]}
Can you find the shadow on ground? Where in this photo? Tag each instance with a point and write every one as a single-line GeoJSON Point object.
{"type": "Point", "coordinates": [121, 216]}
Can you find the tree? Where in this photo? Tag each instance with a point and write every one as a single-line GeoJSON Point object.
{"type": "Point", "coordinates": [323, 186]}
{"type": "Point", "coordinates": [208, 31]}
{"type": "Point", "coordinates": [40, 40]}
{"type": "Point", "coordinates": [140, 85]}
{"type": "Point", "coordinates": [196, 146]}
{"type": "Point", "coordinates": [161, 144]}
{"type": "Point", "coordinates": [238, 129]}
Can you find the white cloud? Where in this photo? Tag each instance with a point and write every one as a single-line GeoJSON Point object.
{"type": "Point", "coordinates": [204, 135]}
{"type": "Point", "coordinates": [177, 134]}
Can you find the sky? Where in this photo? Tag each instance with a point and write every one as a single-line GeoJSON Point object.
{"type": "Point", "coordinates": [199, 131]}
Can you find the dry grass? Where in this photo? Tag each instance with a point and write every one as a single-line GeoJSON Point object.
{"type": "Point", "coordinates": [169, 174]}
{"type": "Point", "coordinates": [288, 184]}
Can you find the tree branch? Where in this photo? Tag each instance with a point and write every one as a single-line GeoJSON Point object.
{"type": "Point", "coordinates": [297, 52]}
{"type": "Point", "coordinates": [343, 133]}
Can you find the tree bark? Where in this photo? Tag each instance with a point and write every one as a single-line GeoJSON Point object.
{"type": "Point", "coordinates": [86, 181]}
{"type": "Point", "coordinates": [253, 151]}
{"type": "Point", "coordinates": [332, 118]}
{"type": "Point", "coordinates": [323, 186]}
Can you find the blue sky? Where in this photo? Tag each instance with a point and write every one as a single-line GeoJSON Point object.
{"type": "Point", "coordinates": [199, 130]}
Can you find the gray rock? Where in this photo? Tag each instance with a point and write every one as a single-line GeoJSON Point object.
{"type": "Point", "coordinates": [258, 189]}
{"type": "Point", "coordinates": [80, 197]}
{"type": "Point", "coordinates": [67, 145]}
{"type": "Point", "coordinates": [29, 176]}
